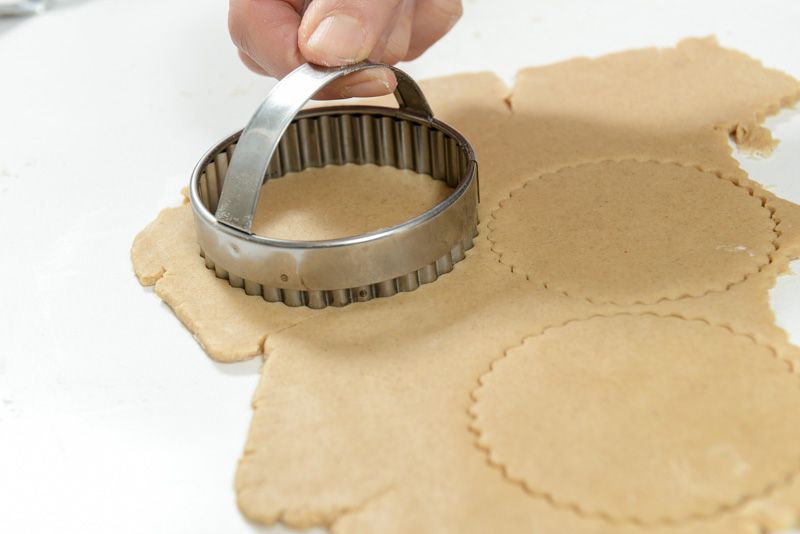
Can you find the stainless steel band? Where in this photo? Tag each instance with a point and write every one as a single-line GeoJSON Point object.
{"type": "Point", "coordinates": [354, 269]}
{"type": "Point", "coordinates": [259, 140]}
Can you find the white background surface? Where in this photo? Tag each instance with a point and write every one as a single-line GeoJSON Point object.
{"type": "Point", "coordinates": [111, 417]}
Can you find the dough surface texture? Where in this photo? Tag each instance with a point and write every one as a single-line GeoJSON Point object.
{"type": "Point", "coordinates": [604, 361]}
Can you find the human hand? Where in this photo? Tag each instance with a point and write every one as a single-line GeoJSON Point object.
{"type": "Point", "coordinates": [276, 36]}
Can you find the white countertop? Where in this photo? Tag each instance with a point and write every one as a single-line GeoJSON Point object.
{"type": "Point", "coordinates": [111, 416]}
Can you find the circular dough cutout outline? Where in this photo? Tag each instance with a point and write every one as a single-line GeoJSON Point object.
{"type": "Point", "coordinates": [636, 418]}
{"type": "Point", "coordinates": [634, 232]}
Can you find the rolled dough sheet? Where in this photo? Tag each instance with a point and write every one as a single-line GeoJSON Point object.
{"type": "Point", "coordinates": [343, 201]}
{"type": "Point", "coordinates": [541, 404]}
{"type": "Point", "coordinates": [316, 204]}
{"type": "Point", "coordinates": [634, 231]}
{"type": "Point", "coordinates": [529, 391]}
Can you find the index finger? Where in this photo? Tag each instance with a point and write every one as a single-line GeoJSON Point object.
{"type": "Point", "coordinates": [266, 32]}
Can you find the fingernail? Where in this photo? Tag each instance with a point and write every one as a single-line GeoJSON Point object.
{"type": "Point", "coordinates": [339, 39]}
{"type": "Point", "coordinates": [378, 83]}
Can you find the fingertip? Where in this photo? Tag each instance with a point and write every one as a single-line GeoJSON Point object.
{"type": "Point", "coordinates": [338, 39]}
{"type": "Point", "coordinates": [367, 83]}
{"type": "Point", "coordinates": [382, 82]}
{"type": "Point", "coordinates": [343, 32]}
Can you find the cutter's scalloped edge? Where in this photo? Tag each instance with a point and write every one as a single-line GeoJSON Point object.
{"type": "Point", "coordinates": [601, 515]}
{"type": "Point", "coordinates": [751, 191]}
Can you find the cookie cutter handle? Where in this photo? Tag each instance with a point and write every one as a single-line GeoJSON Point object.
{"type": "Point", "coordinates": [260, 138]}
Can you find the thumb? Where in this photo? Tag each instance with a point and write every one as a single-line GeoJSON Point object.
{"type": "Point", "coordinates": [340, 32]}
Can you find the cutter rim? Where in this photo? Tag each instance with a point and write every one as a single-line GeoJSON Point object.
{"type": "Point", "coordinates": [459, 191]}
{"type": "Point", "coordinates": [280, 139]}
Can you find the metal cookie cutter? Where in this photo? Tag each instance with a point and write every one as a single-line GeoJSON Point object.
{"type": "Point", "coordinates": [280, 139]}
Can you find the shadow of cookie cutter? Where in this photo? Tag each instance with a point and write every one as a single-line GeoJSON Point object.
{"type": "Point", "coordinates": [280, 139]}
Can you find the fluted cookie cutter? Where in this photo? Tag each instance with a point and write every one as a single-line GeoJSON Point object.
{"type": "Point", "coordinates": [279, 139]}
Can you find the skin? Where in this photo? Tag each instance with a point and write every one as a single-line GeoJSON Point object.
{"type": "Point", "coordinates": [275, 36]}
